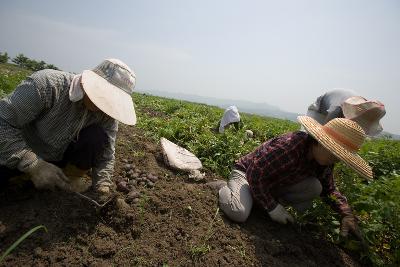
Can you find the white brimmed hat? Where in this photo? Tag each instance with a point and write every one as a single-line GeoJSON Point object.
{"type": "Point", "coordinates": [343, 138]}
{"type": "Point", "coordinates": [231, 115]}
{"type": "Point", "coordinates": [109, 86]}
{"type": "Point", "coordinates": [366, 113]}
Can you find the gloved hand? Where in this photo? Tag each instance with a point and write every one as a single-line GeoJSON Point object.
{"type": "Point", "coordinates": [45, 175]}
{"type": "Point", "coordinates": [349, 225]}
{"type": "Point", "coordinates": [280, 215]}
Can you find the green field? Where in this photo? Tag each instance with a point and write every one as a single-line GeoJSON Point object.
{"type": "Point", "coordinates": [376, 203]}
{"type": "Point", "coordinates": [10, 76]}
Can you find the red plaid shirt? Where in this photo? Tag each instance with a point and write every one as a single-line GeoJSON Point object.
{"type": "Point", "coordinates": [282, 162]}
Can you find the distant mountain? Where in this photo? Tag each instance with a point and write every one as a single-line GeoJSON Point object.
{"type": "Point", "coordinates": [243, 105]}
{"type": "Point", "coordinates": [388, 135]}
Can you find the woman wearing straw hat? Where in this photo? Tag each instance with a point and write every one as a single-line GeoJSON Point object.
{"type": "Point", "coordinates": [56, 119]}
{"type": "Point", "coordinates": [292, 170]}
{"type": "Point", "coordinates": [341, 103]}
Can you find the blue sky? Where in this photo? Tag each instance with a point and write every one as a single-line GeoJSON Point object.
{"type": "Point", "coordinates": [285, 53]}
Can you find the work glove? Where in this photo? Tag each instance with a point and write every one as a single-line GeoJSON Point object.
{"type": "Point", "coordinates": [45, 175]}
{"type": "Point", "coordinates": [280, 215]}
{"type": "Point", "coordinates": [349, 225]}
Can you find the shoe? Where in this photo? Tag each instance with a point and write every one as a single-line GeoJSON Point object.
{"type": "Point", "coordinates": [216, 185]}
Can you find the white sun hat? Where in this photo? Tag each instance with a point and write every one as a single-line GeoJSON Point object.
{"type": "Point", "coordinates": [231, 115]}
{"type": "Point", "coordinates": [343, 138]}
{"type": "Point", "coordinates": [109, 86]}
{"type": "Point", "coordinates": [366, 113]}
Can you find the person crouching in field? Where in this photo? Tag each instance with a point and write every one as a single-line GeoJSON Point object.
{"type": "Point", "coordinates": [57, 120]}
{"type": "Point", "coordinates": [231, 117]}
{"type": "Point", "coordinates": [292, 170]}
{"type": "Point", "coordinates": [340, 103]}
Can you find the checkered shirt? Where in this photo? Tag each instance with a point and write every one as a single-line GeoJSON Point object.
{"type": "Point", "coordinates": [281, 162]}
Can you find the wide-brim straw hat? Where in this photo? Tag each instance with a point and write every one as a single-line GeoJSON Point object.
{"type": "Point", "coordinates": [110, 86]}
{"type": "Point", "coordinates": [343, 138]}
{"type": "Point", "coordinates": [366, 112]}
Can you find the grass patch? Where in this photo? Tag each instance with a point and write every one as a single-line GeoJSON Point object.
{"type": "Point", "coordinates": [143, 202]}
{"type": "Point", "coordinates": [197, 251]}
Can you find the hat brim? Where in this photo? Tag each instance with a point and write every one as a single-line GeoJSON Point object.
{"type": "Point", "coordinates": [113, 101]}
{"type": "Point", "coordinates": [353, 160]}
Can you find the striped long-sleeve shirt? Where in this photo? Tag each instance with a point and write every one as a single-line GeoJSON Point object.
{"type": "Point", "coordinates": [38, 120]}
{"type": "Point", "coordinates": [282, 162]}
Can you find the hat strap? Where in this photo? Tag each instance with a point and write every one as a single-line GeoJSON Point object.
{"type": "Point", "coordinates": [340, 138]}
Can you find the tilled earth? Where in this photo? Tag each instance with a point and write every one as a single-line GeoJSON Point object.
{"type": "Point", "coordinates": [160, 218]}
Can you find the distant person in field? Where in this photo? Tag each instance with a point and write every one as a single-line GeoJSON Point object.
{"type": "Point", "coordinates": [56, 126]}
{"type": "Point", "coordinates": [292, 170]}
{"type": "Point", "coordinates": [341, 103]}
{"type": "Point", "coordinates": [231, 117]}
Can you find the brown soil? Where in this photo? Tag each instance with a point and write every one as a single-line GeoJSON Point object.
{"type": "Point", "coordinates": [175, 223]}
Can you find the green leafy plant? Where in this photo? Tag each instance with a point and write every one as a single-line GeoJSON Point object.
{"type": "Point", "coordinates": [22, 238]}
{"type": "Point", "coordinates": [192, 126]}
{"type": "Point", "coordinates": [198, 251]}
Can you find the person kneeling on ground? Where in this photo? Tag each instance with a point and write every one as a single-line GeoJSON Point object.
{"type": "Point", "coordinates": [292, 170]}
{"type": "Point", "coordinates": [57, 120]}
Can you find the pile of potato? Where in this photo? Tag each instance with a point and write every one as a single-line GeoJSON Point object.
{"type": "Point", "coordinates": [132, 178]}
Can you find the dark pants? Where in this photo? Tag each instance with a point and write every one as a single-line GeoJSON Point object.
{"type": "Point", "coordinates": [83, 153]}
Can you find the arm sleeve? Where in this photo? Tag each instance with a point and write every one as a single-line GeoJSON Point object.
{"type": "Point", "coordinates": [104, 169]}
{"type": "Point", "coordinates": [332, 196]}
{"type": "Point", "coordinates": [16, 110]}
